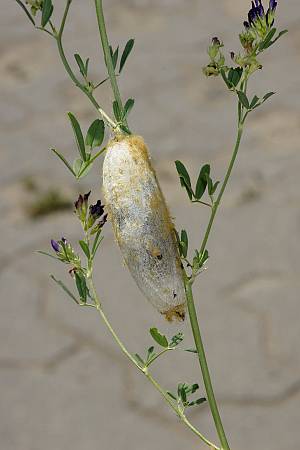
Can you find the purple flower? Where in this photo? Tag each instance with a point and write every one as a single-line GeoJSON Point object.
{"type": "Point", "coordinates": [273, 5]}
{"type": "Point", "coordinates": [55, 245]}
{"type": "Point", "coordinates": [96, 210]}
{"type": "Point", "coordinates": [64, 240]}
{"type": "Point", "coordinates": [246, 25]}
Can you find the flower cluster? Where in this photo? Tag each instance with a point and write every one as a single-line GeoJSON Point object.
{"type": "Point", "coordinates": [258, 19]}
{"type": "Point", "coordinates": [35, 5]}
{"type": "Point", "coordinates": [217, 59]}
{"type": "Point", "coordinates": [65, 252]}
{"type": "Point", "coordinates": [88, 215]}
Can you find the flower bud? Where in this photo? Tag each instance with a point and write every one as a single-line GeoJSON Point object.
{"type": "Point", "coordinates": [142, 225]}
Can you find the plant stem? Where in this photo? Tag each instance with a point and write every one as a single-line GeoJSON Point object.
{"type": "Point", "coordinates": [144, 370]}
{"type": "Point", "coordinates": [108, 58]}
{"type": "Point", "coordinates": [82, 87]}
{"type": "Point", "coordinates": [203, 365]}
{"type": "Point", "coordinates": [189, 292]}
{"type": "Point", "coordinates": [222, 190]}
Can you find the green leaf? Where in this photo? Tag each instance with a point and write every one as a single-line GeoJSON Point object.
{"type": "Point", "coordinates": [114, 56]}
{"type": "Point", "coordinates": [78, 135]}
{"type": "Point", "coordinates": [214, 187]}
{"type": "Point", "coordinates": [268, 95]}
{"type": "Point", "coordinates": [234, 76]}
{"type": "Point", "coordinates": [62, 158]}
{"type": "Point", "coordinates": [150, 354]}
{"type": "Point", "coordinates": [46, 12]}
{"type": "Point", "coordinates": [77, 164]}
{"type": "Point", "coordinates": [254, 101]}
{"type": "Point", "coordinates": [199, 401]}
{"type": "Point", "coordinates": [139, 360]}
{"type": "Point", "coordinates": [182, 392]}
{"type": "Point", "coordinates": [81, 286]}
{"type": "Point", "coordinates": [64, 287]}
{"type": "Point", "coordinates": [88, 165]}
{"type": "Point", "coordinates": [277, 37]}
{"type": "Point", "coordinates": [128, 106]}
{"type": "Point", "coordinates": [185, 180]}
{"type": "Point", "coordinates": [184, 243]}
{"type": "Point", "coordinates": [170, 394]}
{"type": "Point", "coordinates": [192, 388]}
{"type": "Point", "coordinates": [95, 134]}
{"type": "Point", "coordinates": [243, 99]}
{"type": "Point", "coordinates": [97, 242]}
{"type": "Point", "coordinates": [223, 74]}
{"type": "Point", "coordinates": [159, 338]}
{"type": "Point", "coordinates": [265, 43]}
{"type": "Point", "coordinates": [26, 11]}
{"type": "Point", "coordinates": [47, 254]}
{"type": "Point", "coordinates": [176, 340]}
{"type": "Point", "coordinates": [202, 181]}
{"type": "Point", "coordinates": [85, 248]}
{"type": "Point", "coordinates": [127, 50]}
{"type": "Point", "coordinates": [86, 66]}
{"type": "Point", "coordinates": [81, 65]}
{"type": "Point", "coordinates": [117, 112]}
{"type": "Point", "coordinates": [191, 350]}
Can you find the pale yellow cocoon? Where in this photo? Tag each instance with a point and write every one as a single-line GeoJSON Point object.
{"type": "Point", "coordinates": [142, 224]}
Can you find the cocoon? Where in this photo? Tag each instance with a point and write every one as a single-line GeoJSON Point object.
{"type": "Point", "coordinates": [142, 225]}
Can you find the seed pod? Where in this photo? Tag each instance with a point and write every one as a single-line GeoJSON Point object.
{"type": "Point", "coordinates": [142, 225]}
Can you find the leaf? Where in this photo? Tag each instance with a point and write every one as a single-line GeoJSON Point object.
{"type": "Point", "coordinates": [81, 286]}
{"type": "Point", "coordinates": [62, 158]}
{"type": "Point", "coordinates": [176, 340]}
{"type": "Point", "coordinates": [277, 37]}
{"type": "Point", "coordinates": [88, 165]}
{"type": "Point", "coordinates": [268, 95]}
{"type": "Point", "coordinates": [127, 50]}
{"type": "Point", "coordinates": [46, 12]}
{"type": "Point", "coordinates": [243, 99]}
{"type": "Point", "coordinates": [170, 394]}
{"type": "Point", "coordinates": [85, 248]}
{"type": "Point", "coordinates": [159, 338]}
{"type": "Point", "coordinates": [82, 67]}
{"type": "Point", "coordinates": [139, 360]}
{"type": "Point", "coordinates": [117, 112]}
{"type": "Point", "coordinates": [184, 178]}
{"type": "Point", "coordinates": [223, 74]}
{"type": "Point", "coordinates": [86, 66]}
{"type": "Point", "coordinates": [264, 44]}
{"type": "Point", "coordinates": [214, 188]}
{"type": "Point", "coordinates": [202, 181]}
{"type": "Point", "coordinates": [234, 76]}
{"type": "Point", "coordinates": [64, 287]}
{"type": "Point", "coordinates": [199, 401]}
{"type": "Point", "coordinates": [128, 106]}
{"type": "Point", "coordinates": [254, 101]}
{"type": "Point", "coordinates": [182, 392]}
{"type": "Point", "coordinates": [184, 243]}
{"type": "Point", "coordinates": [95, 134]}
{"type": "Point", "coordinates": [191, 350]}
{"type": "Point", "coordinates": [114, 56]}
{"type": "Point", "coordinates": [97, 242]}
{"type": "Point", "coordinates": [192, 388]}
{"type": "Point", "coordinates": [47, 254]}
{"type": "Point", "coordinates": [26, 11]}
{"type": "Point", "coordinates": [77, 164]}
{"type": "Point", "coordinates": [204, 257]}
{"type": "Point", "coordinates": [78, 135]}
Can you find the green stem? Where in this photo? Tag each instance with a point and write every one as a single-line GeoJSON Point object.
{"type": "Point", "coordinates": [204, 367]}
{"type": "Point", "coordinates": [144, 370]}
{"type": "Point", "coordinates": [222, 190]}
{"type": "Point", "coordinates": [189, 292]}
{"type": "Point", "coordinates": [82, 87]}
{"type": "Point", "coordinates": [108, 58]}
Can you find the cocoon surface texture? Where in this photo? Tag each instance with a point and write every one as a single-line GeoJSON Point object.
{"type": "Point", "coordinates": [142, 225]}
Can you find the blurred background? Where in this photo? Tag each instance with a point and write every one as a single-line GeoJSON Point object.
{"type": "Point", "coordinates": [64, 384]}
